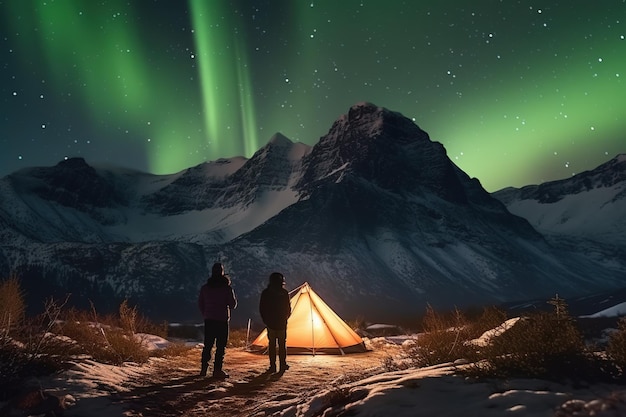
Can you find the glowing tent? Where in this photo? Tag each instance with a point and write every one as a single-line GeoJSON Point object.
{"type": "Point", "coordinates": [314, 327]}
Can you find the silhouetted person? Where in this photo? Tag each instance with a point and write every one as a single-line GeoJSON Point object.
{"type": "Point", "coordinates": [275, 309]}
{"type": "Point", "coordinates": [216, 300]}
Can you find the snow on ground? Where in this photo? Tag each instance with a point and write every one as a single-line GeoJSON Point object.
{"type": "Point", "coordinates": [486, 337]}
{"type": "Point", "coordinates": [430, 391]}
{"type": "Point", "coordinates": [97, 390]}
{"type": "Point", "coordinates": [435, 391]}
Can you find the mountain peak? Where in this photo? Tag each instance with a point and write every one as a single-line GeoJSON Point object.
{"type": "Point", "coordinates": [387, 149]}
{"type": "Point", "coordinates": [374, 205]}
{"type": "Point", "coordinates": [619, 160]}
{"type": "Point", "coordinates": [366, 106]}
{"type": "Point", "coordinates": [73, 163]}
{"type": "Point", "coordinates": [367, 120]}
{"type": "Point", "coordinates": [588, 205]}
{"type": "Point", "coordinates": [278, 139]}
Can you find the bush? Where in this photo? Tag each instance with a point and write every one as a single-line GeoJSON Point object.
{"type": "Point", "coordinates": [12, 306]}
{"type": "Point", "coordinates": [122, 346]}
{"type": "Point", "coordinates": [128, 317]}
{"type": "Point", "coordinates": [542, 345]}
{"type": "Point", "coordinates": [27, 347]}
{"type": "Point", "coordinates": [107, 339]}
{"type": "Point", "coordinates": [616, 348]}
{"type": "Point", "coordinates": [444, 339]}
{"type": "Point", "coordinates": [133, 322]}
{"type": "Point", "coordinates": [491, 318]}
{"type": "Point", "coordinates": [47, 342]}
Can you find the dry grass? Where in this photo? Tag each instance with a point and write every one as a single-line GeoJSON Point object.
{"type": "Point", "coordinates": [45, 343]}
{"type": "Point", "coordinates": [12, 305]}
{"type": "Point", "coordinates": [616, 348]}
{"type": "Point", "coordinates": [24, 342]}
{"type": "Point", "coordinates": [540, 345]}
{"type": "Point", "coordinates": [238, 337]}
{"type": "Point", "coordinates": [545, 345]}
{"type": "Point", "coordinates": [443, 339]}
{"type": "Point", "coordinates": [107, 339]}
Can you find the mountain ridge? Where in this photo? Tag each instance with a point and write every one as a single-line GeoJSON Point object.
{"type": "Point", "coordinates": [589, 205]}
{"type": "Point", "coordinates": [375, 217]}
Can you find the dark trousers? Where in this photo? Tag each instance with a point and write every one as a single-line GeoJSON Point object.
{"type": "Point", "coordinates": [215, 332]}
{"type": "Point", "coordinates": [277, 337]}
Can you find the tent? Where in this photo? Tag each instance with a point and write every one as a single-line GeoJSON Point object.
{"type": "Point", "coordinates": [314, 327]}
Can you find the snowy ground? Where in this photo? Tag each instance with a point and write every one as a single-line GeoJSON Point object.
{"type": "Point", "coordinates": [321, 385]}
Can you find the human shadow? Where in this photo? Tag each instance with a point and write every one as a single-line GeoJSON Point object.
{"type": "Point", "coordinates": [176, 396]}
{"type": "Point", "coordinates": [254, 384]}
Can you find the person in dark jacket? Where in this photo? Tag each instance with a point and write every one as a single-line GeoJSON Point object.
{"type": "Point", "coordinates": [275, 309]}
{"type": "Point", "coordinates": [215, 301]}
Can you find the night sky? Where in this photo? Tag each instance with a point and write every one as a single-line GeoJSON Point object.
{"type": "Point", "coordinates": [519, 92]}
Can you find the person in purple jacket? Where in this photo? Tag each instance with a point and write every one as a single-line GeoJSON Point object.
{"type": "Point", "coordinates": [216, 300]}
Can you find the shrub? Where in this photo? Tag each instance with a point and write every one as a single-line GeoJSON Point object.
{"type": "Point", "coordinates": [358, 324]}
{"type": "Point", "coordinates": [541, 345]}
{"type": "Point", "coordinates": [133, 322]}
{"type": "Point", "coordinates": [490, 318]}
{"type": "Point", "coordinates": [105, 338]}
{"type": "Point", "coordinates": [122, 346]}
{"type": "Point", "coordinates": [444, 339]}
{"type": "Point", "coordinates": [616, 348]}
{"type": "Point", "coordinates": [41, 341]}
{"type": "Point", "coordinates": [27, 347]}
{"type": "Point", "coordinates": [389, 364]}
{"type": "Point", "coordinates": [128, 317]}
{"type": "Point", "coordinates": [47, 342]}
{"type": "Point", "coordinates": [11, 317]}
{"type": "Point", "coordinates": [12, 306]}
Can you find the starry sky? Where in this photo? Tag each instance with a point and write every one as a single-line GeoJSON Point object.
{"type": "Point", "coordinates": [518, 92]}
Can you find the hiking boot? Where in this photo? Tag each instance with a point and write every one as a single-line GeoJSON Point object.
{"type": "Point", "coordinates": [284, 367]}
{"type": "Point", "coordinates": [220, 374]}
{"type": "Point", "coordinates": [271, 370]}
{"type": "Point", "coordinates": [203, 370]}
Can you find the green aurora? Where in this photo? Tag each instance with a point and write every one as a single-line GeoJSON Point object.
{"type": "Point", "coordinates": [517, 93]}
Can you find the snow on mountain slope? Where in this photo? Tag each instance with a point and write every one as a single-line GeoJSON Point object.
{"type": "Point", "coordinates": [592, 214]}
{"type": "Point", "coordinates": [375, 217]}
{"type": "Point", "coordinates": [387, 220]}
{"type": "Point", "coordinates": [204, 204]}
{"type": "Point", "coordinates": [212, 209]}
{"type": "Point", "coordinates": [590, 205]}
{"type": "Point", "coordinates": [617, 310]}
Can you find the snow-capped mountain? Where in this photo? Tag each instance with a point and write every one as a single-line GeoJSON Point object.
{"type": "Point", "coordinates": [375, 217]}
{"type": "Point", "coordinates": [586, 214]}
{"type": "Point", "coordinates": [589, 205]}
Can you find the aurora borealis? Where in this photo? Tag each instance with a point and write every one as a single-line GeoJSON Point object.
{"type": "Point", "coordinates": [519, 92]}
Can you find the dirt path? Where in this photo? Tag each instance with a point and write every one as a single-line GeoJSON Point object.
{"type": "Point", "coordinates": [175, 389]}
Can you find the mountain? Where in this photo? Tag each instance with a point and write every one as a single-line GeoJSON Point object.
{"type": "Point", "coordinates": [375, 217]}
{"type": "Point", "coordinates": [583, 213]}
{"type": "Point", "coordinates": [589, 205]}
